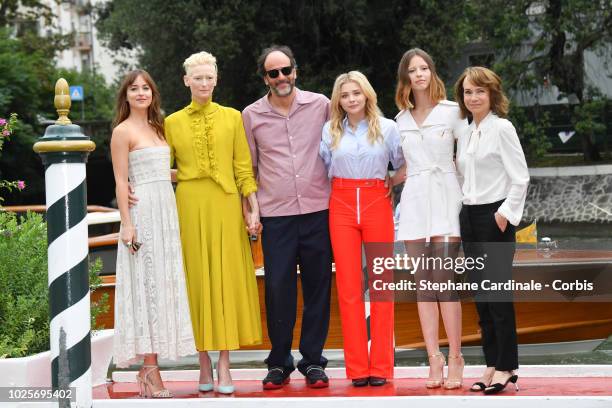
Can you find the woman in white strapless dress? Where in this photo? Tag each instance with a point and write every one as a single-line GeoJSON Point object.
{"type": "Point", "coordinates": [430, 201]}
{"type": "Point", "coordinates": [151, 309]}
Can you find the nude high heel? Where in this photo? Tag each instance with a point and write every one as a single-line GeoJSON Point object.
{"type": "Point", "coordinates": [455, 380]}
{"type": "Point", "coordinates": [146, 386]}
{"type": "Point", "coordinates": [436, 370]}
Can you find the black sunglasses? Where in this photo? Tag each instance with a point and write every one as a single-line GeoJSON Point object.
{"type": "Point", "coordinates": [273, 73]}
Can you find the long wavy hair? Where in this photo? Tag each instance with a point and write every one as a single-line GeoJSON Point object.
{"type": "Point", "coordinates": [404, 98]}
{"type": "Point", "coordinates": [372, 112]}
{"type": "Point", "coordinates": [122, 107]}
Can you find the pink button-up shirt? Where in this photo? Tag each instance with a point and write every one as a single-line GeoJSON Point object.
{"type": "Point", "coordinates": [291, 176]}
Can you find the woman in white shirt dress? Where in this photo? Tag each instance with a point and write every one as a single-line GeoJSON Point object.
{"type": "Point", "coordinates": [431, 199]}
{"type": "Point", "coordinates": [495, 180]}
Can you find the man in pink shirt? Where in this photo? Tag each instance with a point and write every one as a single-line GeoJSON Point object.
{"type": "Point", "coordinates": [284, 133]}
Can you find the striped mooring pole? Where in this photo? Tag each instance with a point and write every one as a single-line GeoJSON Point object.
{"type": "Point", "coordinates": [64, 150]}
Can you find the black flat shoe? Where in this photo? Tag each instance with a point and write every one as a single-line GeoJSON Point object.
{"type": "Point", "coordinates": [498, 387]}
{"type": "Point", "coordinates": [360, 382]}
{"type": "Point", "coordinates": [377, 381]}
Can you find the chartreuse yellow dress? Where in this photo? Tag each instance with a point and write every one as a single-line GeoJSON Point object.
{"type": "Point", "coordinates": [210, 150]}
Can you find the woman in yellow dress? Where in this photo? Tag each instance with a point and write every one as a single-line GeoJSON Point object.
{"type": "Point", "coordinates": [214, 171]}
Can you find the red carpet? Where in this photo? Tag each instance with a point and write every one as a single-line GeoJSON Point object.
{"type": "Point", "coordinates": [529, 386]}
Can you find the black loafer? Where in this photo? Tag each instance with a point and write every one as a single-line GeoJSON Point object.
{"type": "Point", "coordinates": [377, 381]}
{"type": "Point", "coordinates": [360, 382]}
{"type": "Point", "coordinates": [316, 377]}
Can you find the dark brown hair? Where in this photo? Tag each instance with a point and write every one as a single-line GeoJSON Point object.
{"type": "Point", "coordinates": [122, 107]}
{"type": "Point", "coordinates": [261, 60]}
{"type": "Point", "coordinates": [483, 77]}
{"type": "Point", "coordinates": [404, 99]}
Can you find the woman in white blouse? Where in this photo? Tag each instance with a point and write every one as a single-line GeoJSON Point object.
{"type": "Point", "coordinates": [495, 174]}
{"type": "Point", "coordinates": [356, 147]}
{"type": "Point", "coordinates": [431, 201]}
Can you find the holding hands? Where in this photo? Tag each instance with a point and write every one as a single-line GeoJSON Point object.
{"type": "Point", "coordinates": [250, 211]}
{"type": "Point", "coordinates": [254, 226]}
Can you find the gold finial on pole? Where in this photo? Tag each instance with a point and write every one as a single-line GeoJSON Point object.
{"type": "Point", "coordinates": [62, 102]}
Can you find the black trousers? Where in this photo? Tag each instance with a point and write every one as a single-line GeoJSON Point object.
{"type": "Point", "coordinates": [480, 235]}
{"type": "Point", "coordinates": [289, 241]}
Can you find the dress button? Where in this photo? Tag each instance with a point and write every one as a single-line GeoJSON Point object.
{"type": "Point", "coordinates": [297, 175]}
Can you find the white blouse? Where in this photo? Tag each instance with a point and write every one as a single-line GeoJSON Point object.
{"type": "Point", "coordinates": [493, 166]}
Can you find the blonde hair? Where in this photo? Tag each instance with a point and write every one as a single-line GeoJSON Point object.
{"type": "Point", "coordinates": [372, 112]}
{"type": "Point", "coordinates": [483, 77]}
{"type": "Point", "coordinates": [199, 58]}
{"type": "Point", "coordinates": [404, 99]}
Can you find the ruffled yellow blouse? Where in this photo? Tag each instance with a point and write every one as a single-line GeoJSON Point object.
{"type": "Point", "coordinates": [209, 141]}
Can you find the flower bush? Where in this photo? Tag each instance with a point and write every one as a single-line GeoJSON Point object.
{"type": "Point", "coordinates": [6, 129]}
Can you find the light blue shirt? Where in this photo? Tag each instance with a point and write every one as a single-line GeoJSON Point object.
{"type": "Point", "coordinates": [355, 157]}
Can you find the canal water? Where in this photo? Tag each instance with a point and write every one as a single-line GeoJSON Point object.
{"type": "Point", "coordinates": [578, 235]}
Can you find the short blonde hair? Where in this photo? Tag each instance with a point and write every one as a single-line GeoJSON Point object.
{"type": "Point", "coordinates": [483, 77]}
{"type": "Point", "coordinates": [199, 58]}
{"type": "Point", "coordinates": [372, 112]}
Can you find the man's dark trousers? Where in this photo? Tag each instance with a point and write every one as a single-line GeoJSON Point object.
{"type": "Point", "coordinates": [289, 241]}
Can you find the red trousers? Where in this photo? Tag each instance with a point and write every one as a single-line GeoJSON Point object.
{"type": "Point", "coordinates": [359, 212]}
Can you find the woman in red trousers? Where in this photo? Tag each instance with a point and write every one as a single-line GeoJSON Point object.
{"type": "Point", "coordinates": [357, 145]}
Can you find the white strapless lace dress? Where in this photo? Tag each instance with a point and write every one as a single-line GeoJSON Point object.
{"type": "Point", "coordinates": [151, 306]}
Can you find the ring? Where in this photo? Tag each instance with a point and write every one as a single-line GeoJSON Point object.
{"type": "Point", "coordinates": [128, 244]}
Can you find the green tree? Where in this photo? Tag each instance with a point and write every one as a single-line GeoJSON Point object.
{"type": "Point", "coordinates": [99, 96]}
{"type": "Point", "coordinates": [328, 37]}
{"type": "Point", "coordinates": [25, 79]}
{"type": "Point", "coordinates": [24, 10]}
{"type": "Point", "coordinates": [546, 41]}
{"type": "Point", "coordinates": [532, 133]}
{"type": "Point", "coordinates": [27, 64]}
